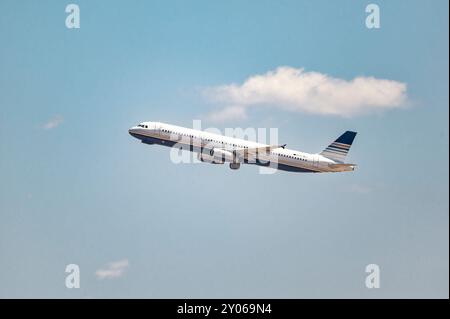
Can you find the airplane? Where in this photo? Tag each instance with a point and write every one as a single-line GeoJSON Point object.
{"type": "Point", "coordinates": [219, 149]}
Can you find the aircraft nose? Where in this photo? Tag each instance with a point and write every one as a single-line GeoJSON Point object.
{"type": "Point", "coordinates": [132, 131]}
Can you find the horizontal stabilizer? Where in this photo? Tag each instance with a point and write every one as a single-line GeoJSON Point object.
{"type": "Point", "coordinates": [342, 167]}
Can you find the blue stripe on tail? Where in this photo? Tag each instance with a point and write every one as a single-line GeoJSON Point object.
{"type": "Point", "coordinates": [346, 138]}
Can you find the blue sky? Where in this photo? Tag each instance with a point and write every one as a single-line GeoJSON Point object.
{"type": "Point", "coordinates": [82, 191]}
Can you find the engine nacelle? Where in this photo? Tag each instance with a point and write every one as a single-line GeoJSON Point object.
{"type": "Point", "coordinates": [221, 155]}
{"type": "Point", "coordinates": [209, 159]}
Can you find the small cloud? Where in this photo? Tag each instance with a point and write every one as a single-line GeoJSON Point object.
{"type": "Point", "coordinates": [228, 113]}
{"type": "Point", "coordinates": [296, 90]}
{"type": "Point", "coordinates": [114, 269]}
{"type": "Point", "coordinates": [53, 122]}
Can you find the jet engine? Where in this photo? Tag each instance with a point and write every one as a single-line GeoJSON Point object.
{"type": "Point", "coordinates": [221, 155]}
{"type": "Point", "coordinates": [209, 159]}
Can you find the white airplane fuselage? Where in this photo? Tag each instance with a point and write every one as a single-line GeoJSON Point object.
{"type": "Point", "coordinates": [220, 149]}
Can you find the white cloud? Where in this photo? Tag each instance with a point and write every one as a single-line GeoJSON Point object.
{"type": "Point", "coordinates": [53, 122]}
{"type": "Point", "coordinates": [113, 270]}
{"type": "Point", "coordinates": [296, 90]}
{"type": "Point", "coordinates": [228, 113]}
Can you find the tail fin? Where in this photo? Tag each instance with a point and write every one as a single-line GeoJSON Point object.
{"type": "Point", "coordinates": [337, 150]}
